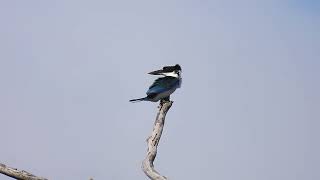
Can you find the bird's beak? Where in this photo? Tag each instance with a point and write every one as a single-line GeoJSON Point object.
{"type": "Point", "coordinates": [157, 72]}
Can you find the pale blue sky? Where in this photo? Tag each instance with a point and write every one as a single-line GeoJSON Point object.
{"type": "Point", "coordinates": [248, 108]}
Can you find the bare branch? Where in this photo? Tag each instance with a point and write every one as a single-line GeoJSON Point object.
{"type": "Point", "coordinates": [153, 141]}
{"type": "Point", "coordinates": [18, 174]}
{"type": "Point", "coordinates": [147, 164]}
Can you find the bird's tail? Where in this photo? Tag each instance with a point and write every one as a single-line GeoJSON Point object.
{"type": "Point", "coordinates": [139, 99]}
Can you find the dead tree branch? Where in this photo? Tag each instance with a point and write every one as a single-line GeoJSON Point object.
{"type": "Point", "coordinates": [147, 164]}
{"type": "Point", "coordinates": [153, 141]}
{"type": "Point", "coordinates": [18, 174]}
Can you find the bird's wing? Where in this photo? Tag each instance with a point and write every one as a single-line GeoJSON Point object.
{"type": "Point", "coordinates": [163, 84]}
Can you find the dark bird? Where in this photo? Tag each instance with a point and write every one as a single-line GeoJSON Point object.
{"type": "Point", "coordinates": [163, 87]}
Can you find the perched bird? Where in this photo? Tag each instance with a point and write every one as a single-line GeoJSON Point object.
{"type": "Point", "coordinates": [163, 87]}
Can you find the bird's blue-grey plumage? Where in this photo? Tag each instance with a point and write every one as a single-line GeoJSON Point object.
{"type": "Point", "coordinates": [163, 87]}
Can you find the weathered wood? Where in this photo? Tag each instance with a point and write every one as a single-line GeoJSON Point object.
{"type": "Point", "coordinates": [147, 164]}
{"type": "Point", "coordinates": [153, 141]}
{"type": "Point", "coordinates": [18, 174]}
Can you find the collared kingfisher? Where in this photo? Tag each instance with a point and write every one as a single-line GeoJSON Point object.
{"type": "Point", "coordinates": [163, 87]}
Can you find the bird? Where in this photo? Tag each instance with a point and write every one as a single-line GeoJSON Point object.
{"type": "Point", "coordinates": [163, 87]}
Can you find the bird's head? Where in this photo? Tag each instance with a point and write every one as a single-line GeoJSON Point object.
{"type": "Point", "coordinates": [173, 71]}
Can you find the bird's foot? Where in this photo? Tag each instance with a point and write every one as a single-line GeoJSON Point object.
{"type": "Point", "coordinates": [164, 100]}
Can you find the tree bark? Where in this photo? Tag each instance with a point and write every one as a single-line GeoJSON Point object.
{"type": "Point", "coordinates": [153, 141]}
{"type": "Point", "coordinates": [18, 174]}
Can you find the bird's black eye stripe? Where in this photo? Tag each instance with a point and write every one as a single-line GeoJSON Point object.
{"type": "Point", "coordinates": [168, 68]}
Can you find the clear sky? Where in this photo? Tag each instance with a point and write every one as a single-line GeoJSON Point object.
{"type": "Point", "coordinates": [248, 108]}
